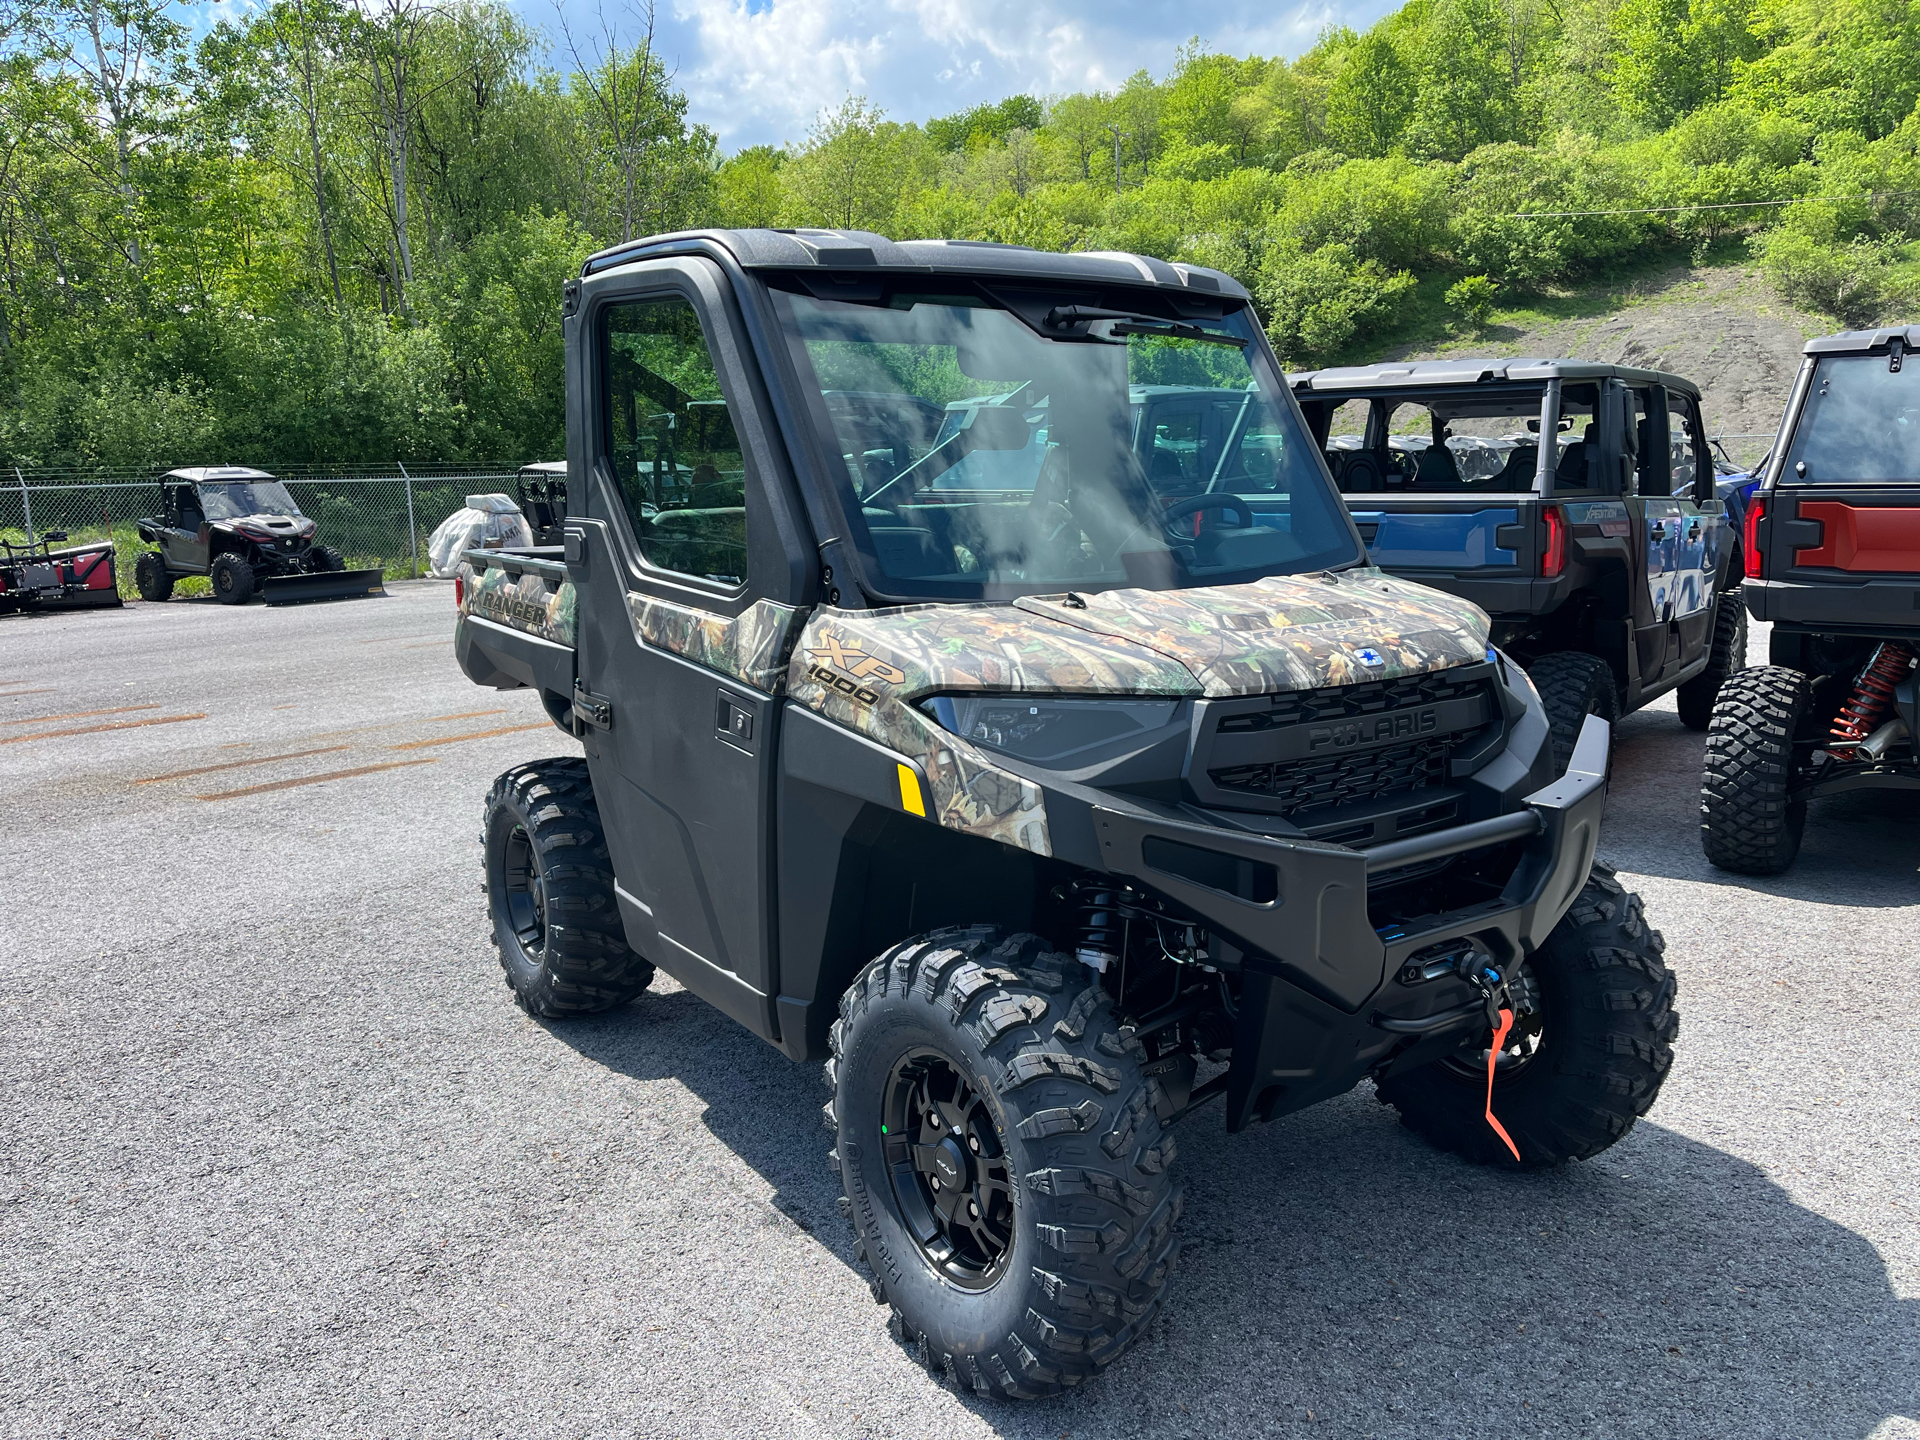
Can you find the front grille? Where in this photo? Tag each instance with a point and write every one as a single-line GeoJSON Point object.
{"type": "Point", "coordinates": [1343, 779]}
{"type": "Point", "coordinates": [1353, 701]}
{"type": "Point", "coordinates": [1321, 750]}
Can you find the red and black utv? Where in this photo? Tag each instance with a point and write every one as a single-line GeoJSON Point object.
{"type": "Point", "coordinates": [1832, 553]}
{"type": "Point", "coordinates": [36, 576]}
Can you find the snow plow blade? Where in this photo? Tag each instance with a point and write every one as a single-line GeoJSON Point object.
{"type": "Point", "coordinates": [329, 585]}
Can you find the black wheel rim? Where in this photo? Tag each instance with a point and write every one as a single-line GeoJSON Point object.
{"type": "Point", "coordinates": [951, 1177]}
{"type": "Point", "coordinates": [1524, 1041]}
{"type": "Point", "coordinates": [525, 889]}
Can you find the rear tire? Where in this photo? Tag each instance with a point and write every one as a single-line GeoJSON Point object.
{"type": "Point", "coordinates": [550, 893]}
{"type": "Point", "coordinates": [1728, 654]}
{"type": "Point", "coordinates": [1748, 821]}
{"type": "Point", "coordinates": [1606, 1032]}
{"type": "Point", "coordinates": [1573, 686]}
{"type": "Point", "coordinates": [1054, 1135]}
{"type": "Point", "coordinates": [150, 577]}
{"type": "Point", "coordinates": [232, 579]}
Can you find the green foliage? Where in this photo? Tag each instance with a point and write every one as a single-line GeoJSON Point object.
{"type": "Point", "coordinates": [330, 232]}
{"type": "Point", "coordinates": [1320, 302]}
{"type": "Point", "coordinates": [1372, 98]}
{"type": "Point", "coordinates": [985, 124]}
{"type": "Point", "coordinates": [1473, 297]}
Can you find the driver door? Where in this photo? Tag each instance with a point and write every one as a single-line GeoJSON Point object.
{"type": "Point", "coordinates": [685, 615]}
{"type": "Point", "coordinates": [186, 539]}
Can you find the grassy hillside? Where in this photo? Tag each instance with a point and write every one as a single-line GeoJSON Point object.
{"type": "Point", "coordinates": [1721, 323]}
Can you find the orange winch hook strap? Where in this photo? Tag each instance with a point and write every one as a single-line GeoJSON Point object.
{"type": "Point", "coordinates": [1493, 1057]}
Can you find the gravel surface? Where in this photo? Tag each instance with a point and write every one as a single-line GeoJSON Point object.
{"type": "Point", "coordinates": [278, 1156]}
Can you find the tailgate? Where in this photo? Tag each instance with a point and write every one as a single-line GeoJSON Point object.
{"type": "Point", "coordinates": [516, 624]}
{"type": "Point", "coordinates": [1840, 557]}
{"type": "Point", "coordinates": [1437, 534]}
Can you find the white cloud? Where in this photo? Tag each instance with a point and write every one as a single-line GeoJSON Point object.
{"type": "Point", "coordinates": [763, 70]}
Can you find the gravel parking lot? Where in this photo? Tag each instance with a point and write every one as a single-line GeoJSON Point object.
{"type": "Point", "coordinates": [278, 1155]}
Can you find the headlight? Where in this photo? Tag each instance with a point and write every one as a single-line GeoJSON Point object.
{"type": "Point", "coordinates": [1047, 729]}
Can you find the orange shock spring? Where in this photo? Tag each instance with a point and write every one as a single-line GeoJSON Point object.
{"type": "Point", "coordinates": [1872, 695]}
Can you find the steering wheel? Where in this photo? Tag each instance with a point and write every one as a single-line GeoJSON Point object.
{"type": "Point", "coordinates": [1194, 504]}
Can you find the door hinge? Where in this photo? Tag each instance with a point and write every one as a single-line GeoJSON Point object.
{"type": "Point", "coordinates": [594, 710]}
{"type": "Point", "coordinates": [569, 298]}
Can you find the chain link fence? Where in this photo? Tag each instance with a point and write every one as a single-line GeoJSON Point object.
{"type": "Point", "coordinates": [374, 519]}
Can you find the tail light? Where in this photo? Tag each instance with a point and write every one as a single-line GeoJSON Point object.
{"type": "Point", "coordinates": [1750, 536]}
{"type": "Point", "coordinates": [1553, 558]}
{"type": "Point", "coordinates": [459, 592]}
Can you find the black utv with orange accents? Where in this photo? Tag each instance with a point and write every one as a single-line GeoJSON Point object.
{"type": "Point", "coordinates": [1833, 564]}
{"type": "Point", "coordinates": [930, 727]}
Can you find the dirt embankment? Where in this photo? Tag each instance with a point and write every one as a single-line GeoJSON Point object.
{"type": "Point", "coordinates": [1723, 327]}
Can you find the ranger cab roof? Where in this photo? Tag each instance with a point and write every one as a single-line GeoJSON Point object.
{"type": "Point", "coordinates": [214, 474]}
{"type": "Point", "coordinates": [1865, 342]}
{"type": "Point", "coordinates": [863, 250]}
{"type": "Point", "coordinates": [1421, 374]}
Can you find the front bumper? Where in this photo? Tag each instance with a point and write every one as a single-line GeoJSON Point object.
{"type": "Point", "coordinates": [1317, 975]}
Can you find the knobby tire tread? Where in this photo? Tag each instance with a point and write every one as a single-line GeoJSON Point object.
{"type": "Point", "coordinates": [1749, 823]}
{"type": "Point", "coordinates": [1095, 1187]}
{"type": "Point", "coordinates": [1606, 1051]}
{"type": "Point", "coordinates": [1573, 686]}
{"type": "Point", "coordinates": [588, 966]}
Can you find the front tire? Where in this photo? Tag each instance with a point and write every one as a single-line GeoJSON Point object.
{"type": "Point", "coordinates": [232, 579]}
{"type": "Point", "coordinates": [1749, 821]}
{"type": "Point", "coordinates": [550, 893]}
{"type": "Point", "coordinates": [150, 577]}
{"type": "Point", "coordinates": [1572, 686]}
{"type": "Point", "coordinates": [986, 1059]}
{"type": "Point", "coordinates": [1583, 1065]}
{"type": "Point", "coordinates": [1728, 655]}
{"type": "Point", "coordinates": [326, 560]}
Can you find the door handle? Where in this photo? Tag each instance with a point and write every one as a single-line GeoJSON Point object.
{"type": "Point", "coordinates": [1658, 532]}
{"type": "Point", "coordinates": [736, 720]}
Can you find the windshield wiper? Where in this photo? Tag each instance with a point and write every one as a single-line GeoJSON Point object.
{"type": "Point", "coordinates": [1129, 322]}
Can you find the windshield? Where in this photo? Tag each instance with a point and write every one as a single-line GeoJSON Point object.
{"type": "Point", "coordinates": [1861, 423]}
{"type": "Point", "coordinates": [236, 499]}
{"type": "Point", "coordinates": [977, 457]}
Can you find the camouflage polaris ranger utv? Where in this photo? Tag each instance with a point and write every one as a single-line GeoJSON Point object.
{"type": "Point", "coordinates": [923, 732]}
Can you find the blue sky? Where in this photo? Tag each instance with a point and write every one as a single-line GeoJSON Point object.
{"type": "Point", "coordinates": [762, 70]}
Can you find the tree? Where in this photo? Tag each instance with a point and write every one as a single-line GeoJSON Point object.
{"type": "Point", "coordinates": [1077, 124]}
{"type": "Point", "coordinates": [1371, 99]}
{"type": "Point", "coordinates": [626, 94]}
{"type": "Point", "coordinates": [749, 190]}
{"type": "Point", "coordinates": [856, 167]}
{"type": "Point", "coordinates": [1467, 97]}
{"type": "Point", "coordinates": [1674, 56]}
{"type": "Point", "coordinates": [124, 52]}
{"type": "Point", "coordinates": [296, 43]}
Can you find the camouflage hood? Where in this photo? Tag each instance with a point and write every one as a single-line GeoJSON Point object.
{"type": "Point", "coordinates": [1279, 634]}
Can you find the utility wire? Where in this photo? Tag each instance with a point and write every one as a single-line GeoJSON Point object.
{"type": "Point", "coordinates": [1729, 205]}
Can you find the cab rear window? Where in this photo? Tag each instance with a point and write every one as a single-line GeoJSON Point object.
{"type": "Point", "coordinates": [1861, 425]}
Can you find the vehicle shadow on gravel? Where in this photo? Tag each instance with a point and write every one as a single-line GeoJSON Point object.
{"type": "Point", "coordinates": [1340, 1277]}
{"type": "Point", "coordinates": [1861, 849]}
